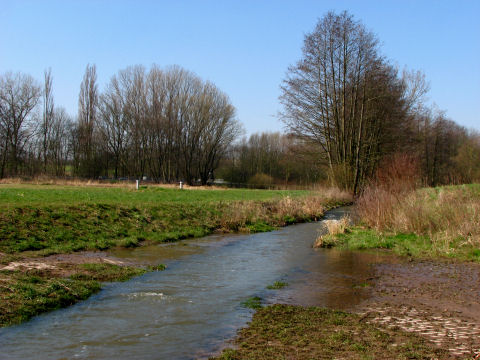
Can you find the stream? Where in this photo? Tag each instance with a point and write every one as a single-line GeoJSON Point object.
{"type": "Point", "coordinates": [194, 307]}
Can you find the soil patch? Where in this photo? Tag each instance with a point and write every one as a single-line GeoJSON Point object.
{"type": "Point", "coordinates": [63, 265]}
{"type": "Point", "coordinates": [439, 301]}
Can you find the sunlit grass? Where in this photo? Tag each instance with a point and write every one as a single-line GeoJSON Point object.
{"type": "Point", "coordinates": [49, 219]}
{"type": "Point", "coordinates": [13, 195]}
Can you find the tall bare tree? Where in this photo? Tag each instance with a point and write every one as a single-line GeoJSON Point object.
{"type": "Point", "coordinates": [342, 96]}
{"type": "Point", "coordinates": [19, 95]}
{"type": "Point", "coordinates": [58, 145]}
{"type": "Point", "coordinates": [87, 119]}
{"type": "Point", "coordinates": [47, 118]}
{"type": "Point", "coordinates": [114, 125]}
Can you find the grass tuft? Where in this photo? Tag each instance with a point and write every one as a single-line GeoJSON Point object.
{"type": "Point", "coordinates": [277, 285]}
{"type": "Point", "coordinates": [254, 303]}
{"type": "Point", "coordinates": [332, 229]}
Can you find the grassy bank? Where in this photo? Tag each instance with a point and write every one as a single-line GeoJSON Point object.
{"type": "Point", "coordinates": [294, 332]}
{"type": "Point", "coordinates": [41, 220]}
{"type": "Point", "coordinates": [427, 223]}
{"type": "Point", "coordinates": [25, 294]}
{"type": "Point", "coordinates": [49, 219]}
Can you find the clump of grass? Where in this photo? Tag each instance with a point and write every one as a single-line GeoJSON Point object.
{"type": "Point", "coordinates": [159, 267]}
{"type": "Point", "coordinates": [106, 272]}
{"type": "Point", "coordinates": [277, 285]}
{"type": "Point", "coordinates": [254, 303]}
{"type": "Point", "coordinates": [330, 230]}
{"type": "Point", "coordinates": [294, 332]}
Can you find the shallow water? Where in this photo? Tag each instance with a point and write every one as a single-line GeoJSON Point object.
{"type": "Point", "coordinates": [191, 309]}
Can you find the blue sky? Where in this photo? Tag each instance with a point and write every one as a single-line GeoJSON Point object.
{"type": "Point", "coordinates": [243, 46]}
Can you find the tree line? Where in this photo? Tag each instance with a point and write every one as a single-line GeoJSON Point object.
{"type": "Point", "coordinates": [167, 124]}
{"type": "Point", "coordinates": [271, 158]}
{"type": "Point", "coordinates": [346, 109]}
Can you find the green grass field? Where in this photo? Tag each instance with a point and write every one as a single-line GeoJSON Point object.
{"type": "Point", "coordinates": [12, 196]}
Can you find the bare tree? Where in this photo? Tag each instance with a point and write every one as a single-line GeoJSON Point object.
{"type": "Point", "coordinates": [19, 95]}
{"type": "Point", "coordinates": [87, 118]}
{"type": "Point", "coordinates": [114, 125]}
{"type": "Point", "coordinates": [342, 96]}
{"type": "Point", "coordinates": [47, 119]}
{"type": "Point", "coordinates": [58, 145]}
{"type": "Point", "coordinates": [218, 130]}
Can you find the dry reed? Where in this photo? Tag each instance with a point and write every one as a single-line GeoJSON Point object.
{"type": "Point", "coordinates": [239, 215]}
{"type": "Point", "coordinates": [444, 215]}
{"type": "Point", "coordinates": [329, 230]}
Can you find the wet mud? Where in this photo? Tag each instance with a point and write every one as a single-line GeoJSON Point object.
{"type": "Point", "coordinates": [437, 300]}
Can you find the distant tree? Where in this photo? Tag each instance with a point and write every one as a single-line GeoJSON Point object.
{"type": "Point", "coordinates": [47, 117]}
{"type": "Point", "coordinates": [59, 149]}
{"type": "Point", "coordinates": [19, 96]}
{"type": "Point", "coordinates": [114, 125]}
{"type": "Point", "coordinates": [284, 159]}
{"type": "Point", "coordinates": [467, 160]}
{"type": "Point", "coordinates": [87, 120]}
{"type": "Point", "coordinates": [168, 124]}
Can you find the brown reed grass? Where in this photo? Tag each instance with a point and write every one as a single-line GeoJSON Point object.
{"type": "Point", "coordinates": [393, 203]}
{"type": "Point", "coordinates": [237, 216]}
{"type": "Point", "coordinates": [444, 214]}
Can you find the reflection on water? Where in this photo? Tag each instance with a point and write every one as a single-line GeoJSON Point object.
{"type": "Point", "coordinates": [192, 307]}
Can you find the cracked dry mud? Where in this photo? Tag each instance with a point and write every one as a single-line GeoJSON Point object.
{"type": "Point", "coordinates": [439, 301]}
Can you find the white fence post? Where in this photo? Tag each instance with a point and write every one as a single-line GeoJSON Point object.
{"type": "Point", "coordinates": [137, 184]}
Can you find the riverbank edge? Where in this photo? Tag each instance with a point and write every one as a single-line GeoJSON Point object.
{"type": "Point", "coordinates": [30, 287]}
{"type": "Point", "coordinates": [375, 329]}
{"type": "Point", "coordinates": [293, 331]}
{"type": "Point", "coordinates": [408, 245]}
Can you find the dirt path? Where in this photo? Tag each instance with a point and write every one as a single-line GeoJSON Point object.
{"type": "Point", "coordinates": [438, 300]}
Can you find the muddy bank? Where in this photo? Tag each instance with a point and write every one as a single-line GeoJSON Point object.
{"type": "Point", "coordinates": [437, 300]}
{"type": "Point", "coordinates": [407, 309]}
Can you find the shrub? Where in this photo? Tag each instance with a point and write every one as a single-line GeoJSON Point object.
{"type": "Point", "coordinates": [261, 181]}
